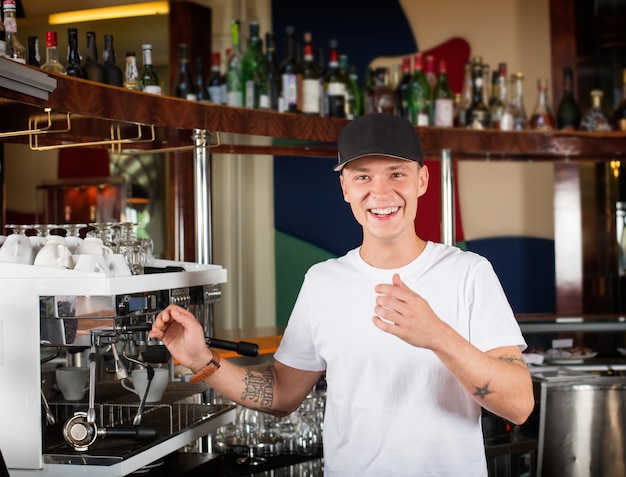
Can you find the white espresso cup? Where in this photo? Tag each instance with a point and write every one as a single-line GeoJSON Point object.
{"type": "Point", "coordinates": [139, 381]}
{"type": "Point", "coordinates": [73, 382]}
{"type": "Point", "coordinates": [93, 246]}
{"type": "Point", "coordinates": [17, 249]}
{"type": "Point", "coordinates": [92, 263]}
{"type": "Point", "coordinates": [54, 254]}
{"type": "Point", "coordinates": [117, 265]}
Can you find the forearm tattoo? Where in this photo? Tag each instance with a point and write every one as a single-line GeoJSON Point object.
{"type": "Point", "coordinates": [512, 359]}
{"type": "Point", "coordinates": [482, 391]}
{"type": "Point", "coordinates": [259, 386]}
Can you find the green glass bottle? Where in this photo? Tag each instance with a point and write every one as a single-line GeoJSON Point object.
{"type": "Point", "coordinates": [184, 87]}
{"type": "Point", "coordinates": [234, 82]}
{"type": "Point", "coordinates": [150, 82]}
{"type": "Point", "coordinates": [568, 114]}
{"type": "Point", "coordinates": [419, 94]}
{"type": "Point", "coordinates": [444, 98]}
{"type": "Point", "coordinates": [252, 68]}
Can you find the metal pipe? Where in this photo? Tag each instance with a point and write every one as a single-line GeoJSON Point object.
{"type": "Point", "coordinates": [202, 196]}
{"type": "Point", "coordinates": [448, 233]}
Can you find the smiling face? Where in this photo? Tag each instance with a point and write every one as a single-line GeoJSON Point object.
{"type": "Point", "coordinates": [383, 193]}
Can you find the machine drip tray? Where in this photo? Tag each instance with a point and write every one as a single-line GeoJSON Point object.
{"type": "Point", "coordinates": [180, 410]}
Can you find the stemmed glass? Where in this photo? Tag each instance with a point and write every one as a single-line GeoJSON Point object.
{"type": "Point", "coordinates": [131, 248]}
{"type": "Point", "coordinates": [72, 235]}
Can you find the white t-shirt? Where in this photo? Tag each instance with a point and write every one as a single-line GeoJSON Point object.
{"type": "Point", "coordinates": [393, 409]}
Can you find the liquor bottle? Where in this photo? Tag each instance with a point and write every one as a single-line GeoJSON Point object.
{"type": "Point", "coordinates": [14, 48]}
{"type": "Point", "coordinates": [353, 79]}
{"type": "Point", "coordinates": [112, 73]}
{"type": "Point", "coordinates": [542, 118]}
{"type": "Point", "coordinates": [402, 100]}
{"type": "Point", "coordinates": [33, 51]}
{"type": "Point", "coordinates": [291, 74]}
{"type": "Point", "coordinates": [73, 66]}
{"type": "Point", "coordinates": [496, 107]}
{"type": "Point", "coordinates": [381, 96]}
{"type": "Point", "coordinates": [466, 95]}
{"type": "Point", "coordinates": [501, 114]}
{"type": "Point", "coordinates": [215, 84]}
{"type": "Point", "coordinates": [184, 87]}
{"type": "Point", "coordinates": [234, 85]}
{"type": "Point", "coordinates": [568, 113]}
{"type": "Point", "coordinates": [516, 106]}
{"type": "Point", "coordinates": [150, 82]}
{"type": "Point", "coordinates": [198, 82]}
{"type": "Point", "coordinates": [595, 119]}
{"type": "Point", "coordinates": [3, 39]}
{"type": "Point", "coordinates": [334, 85]}
{"type": "Point", "coordinates": [477, 115]}
{"type": "Point", "coordinates": [131, 73]}
{"type": "Point", "coordinates": [52, 54]}
{"type": "Point", "coordinates": [619, 114]}
{"type": "Point", "coordinates": [93, 68]}
{"type": "Point", "coordinates": [420, 94]}
{"type": "Point", "coordinates": [273, 78]}
{"type": "Point", "coordinates": [486, 83]}
{"type": "Point", "coordinates": [311, 101]}
{"type": "Point", "coordinates": [251, 67]}
{"type": "Point", "coordinates": [352, 89]}
{"type": "Point", "coordinates": [429, 71]}
{"type": "Point", "coordinates": [444, 98]}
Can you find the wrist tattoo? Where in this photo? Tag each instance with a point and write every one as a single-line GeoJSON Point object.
{"type": "Point", "coordinates": [259, 386]}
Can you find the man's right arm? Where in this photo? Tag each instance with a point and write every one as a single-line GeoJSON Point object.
{"type": "Point", "coordinates": [276, 388]}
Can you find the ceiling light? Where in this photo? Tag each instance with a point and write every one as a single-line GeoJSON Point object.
{"type": "Point", "coordinates": [107, 13]}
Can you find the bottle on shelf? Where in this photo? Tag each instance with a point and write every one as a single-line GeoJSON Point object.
{"type": "Point", "coordinates": [382, 97]}
{"type": "Point", "coordinates": [150, 81]}
{"type": "Point", "coordinates": [198, 83]}
{"type": "Point", "coordinates": [465, 98]}
{"type": "Point", "coordinates": [215, 83]}
{"type": "Point", "coordinates": [353, 79]}
{"type": "Point", "coordinates": [131, 73]}
{"type": "Point", "coordinates": [311, 86]}
{"type": "Point", "coordinates": [272, 78]}
{"type": "Point", "coordinates": [516, 105]}
{"type": "Point", "coordinates": [506, 121]}
{"type": "Point", "coordinates": [93, 68]}
{"type": "Point", "coordinates": [498, 97]}
{"type": "Point", "coordinates": [595, 119]}
{"type": "Point", "coordinates": [291, 74]}
{"type": "Point", "coordinates": [486, 83]}
{"type": "Point", "coordinates": [444, 98]}
{"type": "Point", "coordinates": [619, 114]}
{"type": "Point", "coordinates": [477, 115]}
{"type": "Point", "coordinates": [184, 87]}
{"type": "Point", "coordinates": [568, 114]}
{"type": "Point", "coordinates": [3, 39]}
{"type": "Point", "coordinates": [234, 85]}
{"type": "Point", "coordinates": [252, 67]}
{"type": "Point", "coordinates": [33, 51]}
{"type": "Point", "coordinates": [542, 118]}
{"type": "Point", "coordinates": [429, 71]}
{"type": "Point", "coordinates": [401, 93]}
{"type": "Point", "coordinates": [73, 66]}
{"type": "Point", "coordinates": [334, 84]}
{"type": "Point", "coordinates": [52, 54]}
{"type": "Point", "coordinates": [14, 48]}
{"type": "Point", "coordinates": [112, 73]}
{"type": "Point", "coordinates": [420, 94]}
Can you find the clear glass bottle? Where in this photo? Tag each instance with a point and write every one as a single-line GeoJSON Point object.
{"type": "Point", "coordinates": [291, 74]}
{"type": "Point", "coordinates": [498, 99]}
{"type": "Point", "coordinates": [568, 114]}
{"type": "Point", "coordinates": [73, 66]}
{"type": "Point", "coordinates": [215, 81]}
{"type": "Point", "coordinates": [420, 94]}
{"type": "Point", "coordinates": [131, 73]}
{"type": "Point", "coordinates": [466, 95]}
{"type": "Point", "coordinates": [311, 101]}
{"type": "Point", "coordinates": [444, 98]}
{"type": "Point", "coordinates": [595, 119]}
{"type": "Point", "coordinates": [477, 115]}
{"type": "Point", "coordinates": [334, 84]}
{"type": "Point", "coordinates": [93, 68]}
{"type": "Point", "coordinates": [14, 48]}
{"type": "Point", "coordinates": [112, 73]}
{"type": "Point", "coordinates": [234, 85]}
{"type": "Point", "coordinates": [52, 54]}
{"type": "Point", "coordinates": [252, 65]}
{"type": "Point", "coordinates": [542, 118]}
{"type": "Point", "coordinates": [516, 105]}
{"type": "Point", "coordinates": [150, 81]}
{"type": "Point", "coordinates": [184, 87]}
{"type": "Point", "coordinates": [33, 51]}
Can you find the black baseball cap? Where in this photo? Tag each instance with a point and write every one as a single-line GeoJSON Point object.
{"type": "Point", "coordinates": [379, 134]}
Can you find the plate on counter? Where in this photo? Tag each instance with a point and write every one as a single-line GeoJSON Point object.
{"type": "Point", "coordinates": [575, 359]}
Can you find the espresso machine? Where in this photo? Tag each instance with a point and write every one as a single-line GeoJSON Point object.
{"type": "Point", "coordinates": [53, 316]}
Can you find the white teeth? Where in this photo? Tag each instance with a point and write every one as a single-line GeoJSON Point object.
{"type": "Point", "coordinates": [387, 211]}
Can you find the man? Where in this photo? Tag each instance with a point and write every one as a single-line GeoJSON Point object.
{"type": "Point", "coordinates": [413, 336]}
